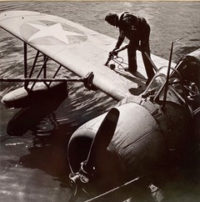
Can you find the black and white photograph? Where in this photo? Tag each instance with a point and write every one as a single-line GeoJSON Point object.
{"type": "Point", "coordinates": [100, 101]}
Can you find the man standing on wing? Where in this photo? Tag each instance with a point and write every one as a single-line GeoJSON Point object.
{"type": "Point", "coordinates": [137, 30]}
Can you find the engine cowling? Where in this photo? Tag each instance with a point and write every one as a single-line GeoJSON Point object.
{"type": "Point", "coordinates": [139, 144]}
{"type": "Point", "coordinates": [136, 139]}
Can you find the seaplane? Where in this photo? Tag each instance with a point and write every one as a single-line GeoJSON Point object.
{"type": "Point", "coordinates": [117, 154]}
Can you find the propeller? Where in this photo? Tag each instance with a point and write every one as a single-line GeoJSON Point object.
{"type": "Point", "coordinates": [102, 138]}
{"type": "Point", "coordinates": [99, 145]}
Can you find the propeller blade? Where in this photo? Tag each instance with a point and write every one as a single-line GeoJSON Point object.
{"type": "Point", "coordinates": [103, 137]}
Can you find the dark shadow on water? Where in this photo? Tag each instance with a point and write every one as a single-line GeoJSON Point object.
{"type": "Point", "coordinates": [50, 154]}
{"type": "Point", "coordinates": [27, 118]}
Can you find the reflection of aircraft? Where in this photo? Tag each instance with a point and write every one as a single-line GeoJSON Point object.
{"type": "Point", "coordinates": [133, 139]}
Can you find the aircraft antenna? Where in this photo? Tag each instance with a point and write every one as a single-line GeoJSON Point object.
{"type": "Point", "coordinates": [168, 73]}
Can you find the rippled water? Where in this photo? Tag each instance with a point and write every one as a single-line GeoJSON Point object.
{"type": "Point", "coordinates": [169, 21]}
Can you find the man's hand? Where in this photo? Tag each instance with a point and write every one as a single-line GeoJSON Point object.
{"type": "Point", "coordinates": [113, 53]}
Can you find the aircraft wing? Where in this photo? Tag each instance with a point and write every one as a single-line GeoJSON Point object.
{"type": "Point", "coordinates": [75, 47]}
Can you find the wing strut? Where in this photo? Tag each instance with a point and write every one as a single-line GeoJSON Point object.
{"type": "Point", "coordinates": [25, 65]}
{"type": "Point", "coordinates": [41, 76]}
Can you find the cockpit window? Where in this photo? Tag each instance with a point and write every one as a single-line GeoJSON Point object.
{"type": "Point", "coordinates": [156, 87]}
{"type": "Point", "coordinates": [156, 84]}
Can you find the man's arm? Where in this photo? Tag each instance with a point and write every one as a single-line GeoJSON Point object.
{"type": "Point", "coordinates": [120, 40]}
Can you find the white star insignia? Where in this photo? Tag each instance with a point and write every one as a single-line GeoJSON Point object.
{"type": "Point", "coordinates": [55, 30]}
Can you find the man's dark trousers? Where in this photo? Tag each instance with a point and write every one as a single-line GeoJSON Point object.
{"type": "Point", "coordinates": [143, 38]}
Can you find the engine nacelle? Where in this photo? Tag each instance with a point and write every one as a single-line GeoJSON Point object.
{"type": "Point", "coordinates": [139, 145]}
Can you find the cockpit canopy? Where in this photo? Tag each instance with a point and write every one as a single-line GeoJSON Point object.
{"type": "Point", "coordinates": [156, 88]}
